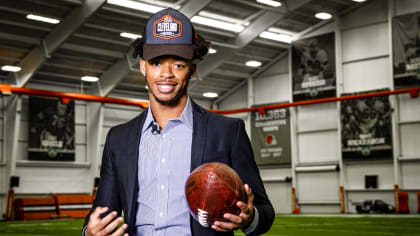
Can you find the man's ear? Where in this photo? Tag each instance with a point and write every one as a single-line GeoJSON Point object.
{"type": "Point", "coordinates": [143, 67]}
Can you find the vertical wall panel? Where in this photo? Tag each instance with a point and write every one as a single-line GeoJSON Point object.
{"type": "Point", "coordinates": [410, 140]}
{"type": "Point", "coordinates": [51, 180]}
{"type": "Point", "coordinates": [317, 117]}
{"type": "Point", "coordinates": [407, 6]}
{"type": "Point", "coordinates": [318, 147]}
{"type": "Point", "coordinates": [236, 100]}
{"type": "Point", "coordinates": [80, 112]}
{"type": "Point", "coordinates": [375, 11]}
{"type": "Point", "coordinates": [80, 153]}
{"type": "Point", "coordinates": [318, 187]}
{"type": "Point", "coordinates": [410, 175]}
{"type": "Point", "coordinates": [280, 196]}
{"type": "Point", "coordinates": [365, 42]}
{"type": "Point", "coordinates": [409, 108]}
{"type": "Point", "coordinates": [271, 89]}
{"type": "Point", "coordinates": [115, 115]}
{"type": "Point", "coordinates": [355, 174]}
{"type": "Point", "coordinates": [366, 75]}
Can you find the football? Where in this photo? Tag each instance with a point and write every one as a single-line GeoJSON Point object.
{"type": "Point", "coordinates": [212, 190]}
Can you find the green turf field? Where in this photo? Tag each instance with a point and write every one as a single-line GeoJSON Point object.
{"type": "Point", "coordinates": [284, 225]}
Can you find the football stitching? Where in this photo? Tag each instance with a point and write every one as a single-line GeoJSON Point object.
{"type": "Point", "coordinates": [202, 217]}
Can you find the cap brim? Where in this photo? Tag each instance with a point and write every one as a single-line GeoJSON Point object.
{"type": "Point", "coordinates": [151, 51]}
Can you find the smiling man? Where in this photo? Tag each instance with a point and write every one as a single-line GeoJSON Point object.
{"type": "Point", "coordinates": [147, 160]}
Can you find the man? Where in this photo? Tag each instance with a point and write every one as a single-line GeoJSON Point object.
{"type": "Point", "coordinates": [147, 160]}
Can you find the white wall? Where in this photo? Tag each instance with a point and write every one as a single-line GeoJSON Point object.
{"type": "Point", "coordinates": [365, 65]}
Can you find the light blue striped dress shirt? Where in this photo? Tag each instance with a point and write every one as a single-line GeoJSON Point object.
{"type": "Point", "coordinates": [164, 166]}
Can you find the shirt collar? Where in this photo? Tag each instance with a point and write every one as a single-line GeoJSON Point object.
{"type": "Point", "coordinates": [186, 117]}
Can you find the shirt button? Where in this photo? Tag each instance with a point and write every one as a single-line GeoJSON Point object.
{"type": "Point", "coordinates": [163, 160]}
{"type": "Point", "coordinates": [162, 187]}
{"type": "Point", "coordinates": [161, 214]}
{"type": "Point", "coordinates": [164, 136]}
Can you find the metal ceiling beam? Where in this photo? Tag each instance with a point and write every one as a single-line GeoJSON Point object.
{"type": "Point", "coordinates": [247, 35]}
{"type": "Point", "coordinates": [31, 63]}
{"type": "Point", "coordinates": [119, 70]}
{"type": "Point", "coordinates": [263, 22]}
{"type": "Point", "coordinates": [255, 74]}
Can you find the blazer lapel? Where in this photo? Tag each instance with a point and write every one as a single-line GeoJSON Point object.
{"type": "Point", "coordinates": [132, 164]}
{"type": "Point", "coordinates": [200, 117]}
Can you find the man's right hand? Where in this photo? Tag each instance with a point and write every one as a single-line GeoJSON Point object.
{"type": "Point", "coordinates": [98, 226]}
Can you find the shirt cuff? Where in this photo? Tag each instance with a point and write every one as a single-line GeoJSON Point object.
{"type": "Point", "coordinates": [253, 224]}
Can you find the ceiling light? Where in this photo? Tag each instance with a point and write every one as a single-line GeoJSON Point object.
{"type": "Point", "coordinates": [130, 35]}
{"type": "Point", "coordinates": [323, 15]}
{"type": "Point", "coordinates": [253, 63]}
{"type": "Point", "coordinates": [210, 95]}
{"type": "Point", "coordinates": [43, 19]}
{"type": "Point", "coordinates": [217, 24]}
{"type": "Point", "coordinates": [212, 50]}
{"type": "Point", "coordinates": [223, 18]}
{"type": "Point", "coordinates": [359, 0]}
{"type": "Point", "coordinates": [277, 37]}
{"type": "Point", "coordinates": [270, 3]}
{"type": "Point", "coordinates": [11, 68]}
{"type": "Point", "coordinates": [90, 78]}
{"type": "Point", "coordinates": [147, 87]}
{"type": "Point", "coordinates": [136, 5]}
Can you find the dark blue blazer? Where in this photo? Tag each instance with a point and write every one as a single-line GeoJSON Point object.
{"type": "Point", "coordinates": [215, 138]}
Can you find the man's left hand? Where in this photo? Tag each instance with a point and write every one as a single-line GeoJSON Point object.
{"type": "Point", "coordinates": [241, 221]}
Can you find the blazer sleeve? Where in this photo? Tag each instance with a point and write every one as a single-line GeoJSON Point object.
{"type": "Point", "coordinates": [108, 192]}
{"type": "Point", "coordinates": [243, 163]}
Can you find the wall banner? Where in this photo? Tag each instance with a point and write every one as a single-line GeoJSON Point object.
{"type": "Point", "coordinates": [270, 135]}
{"type": "Point", "coordinates": [406, 50]}
{"type": "Point", "coordinates": [51, 130]}
{"type": "Point", "coordinates": [366, 129]}
{"type": "Point", "coordinates": [313, 67]}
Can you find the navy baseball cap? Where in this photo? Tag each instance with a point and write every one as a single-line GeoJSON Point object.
{"type": "Point", "coordinates": [168, 32]}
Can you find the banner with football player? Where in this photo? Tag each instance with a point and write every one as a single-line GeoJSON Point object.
{"type": "Point", "coordinates": [406, 50]}
{"type": "Point", "coordinates": [51, 130]}
{"type": "Point", "coordinates": [313, 67]}
{"type": "Point", "coordinates": [366, 129]}
{"type": "Point", "coordinates": [270, 135]}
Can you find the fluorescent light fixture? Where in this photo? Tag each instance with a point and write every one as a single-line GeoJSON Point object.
{"type": "Point", "coordinates": [253, 63]}
{"type": "Point", "coordinates": [90, 78]}
{"type": "Point", "coordinates": [212, 50]}
{"type": "Point", "coordinates": [42, 19]}
{"type": "Point", "coordinates": [359, 0]}
{"type": "Point", "coordinates": [223, 18]}
{"type": "Point", "coordinates": [317, 168]}
{"type": "Point", "coordinates": [210, 95]}
{"type": "Point", "coordinates": [136, 5]}
{"type": "Point", "coordinates": [277, 37]}
{"type": "Point", "coordinates": [270, 3]}
{"type": "Point", "coordinates": [323, 15]}
{"type": "Point", "coordinates": [130, 35]}
{"type": "Point", "coordinates": [217, 24]}
{"type": "Point", "coordinates": [11, 68]}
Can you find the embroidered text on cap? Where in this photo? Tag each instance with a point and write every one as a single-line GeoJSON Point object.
{"type": "Point", "coordinates": [167, 27]}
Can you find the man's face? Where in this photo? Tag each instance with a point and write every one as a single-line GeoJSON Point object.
{"type": "Point", "coordinates": [167, 78]}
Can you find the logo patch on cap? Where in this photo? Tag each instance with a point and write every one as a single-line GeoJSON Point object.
{"type": "Point", "coordinates": [167, 27]}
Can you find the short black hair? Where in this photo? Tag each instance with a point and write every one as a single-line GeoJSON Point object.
{"type": "Point", "coordinates": [200, 44]}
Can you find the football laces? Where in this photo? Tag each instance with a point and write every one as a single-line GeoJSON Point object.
{"type": "Point", "coordinates": [202, 217]}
